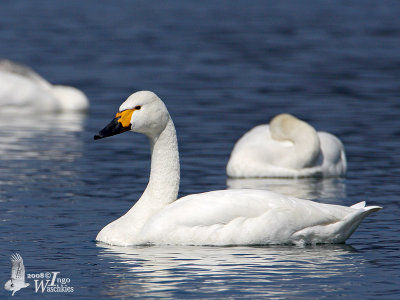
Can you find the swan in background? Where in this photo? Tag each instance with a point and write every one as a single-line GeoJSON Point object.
{"type": "Point", "coordinates": [23, 90]}
{"type": "Point", "coordinates": [225, 217]}
{"type": "Point", "coordinates": [287, 148]}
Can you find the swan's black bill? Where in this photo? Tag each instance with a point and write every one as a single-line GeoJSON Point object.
{"type": "Point", "coordinates": [113, 128]}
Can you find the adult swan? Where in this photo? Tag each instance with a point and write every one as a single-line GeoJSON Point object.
{"type": "Point", "coordinates": [24, 91]}
{"type": "Point", "coordinates": [226, 217]}
{"type": "Point", "coordinates": [288, 148]}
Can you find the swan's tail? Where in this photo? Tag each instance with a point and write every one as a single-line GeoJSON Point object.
{"type": "Point", "coordinates": [350, 223]}
{"type": "Point", "coordinates": [361, 204]}
{"type": "Point", "coordinates": [337, 232]}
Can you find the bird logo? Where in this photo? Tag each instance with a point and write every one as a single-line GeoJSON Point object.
{"type": "Point", "coordinates": [17, 280]}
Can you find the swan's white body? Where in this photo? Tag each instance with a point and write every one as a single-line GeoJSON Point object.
{"type": "Point", "coordinates": [287, 147]}
{"type": "Point", "coordinates": [23, 90]}
{"type": "Point", "coordinates": [226, 217]}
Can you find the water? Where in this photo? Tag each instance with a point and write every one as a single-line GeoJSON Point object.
{"type": "Point", "coordinates": [221, 68]}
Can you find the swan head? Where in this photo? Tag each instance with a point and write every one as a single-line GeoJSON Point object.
{"type": "Point", "coordinates": [282, 125]}
{"type": "Point", "coordinates": [142, 112]}
{"type": "Point", "coordinates": [288, 127]}
{"type": "Point", "coordinates": [70, 98]}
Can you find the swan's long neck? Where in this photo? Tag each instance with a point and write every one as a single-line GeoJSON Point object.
{"type": "Point", "coordinates": [163, 185]}
{"type": "Point", "coordinates": [161, 190]}
{"type": "Point", "coordinates": [307, 147]}
{"type": "Point", "coordinates": [164, 179]}
{"type": "Point", "coordinates": [306, 144]}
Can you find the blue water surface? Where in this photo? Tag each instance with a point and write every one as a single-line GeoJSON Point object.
{"type": "Point", "coordinates": [221, 67]}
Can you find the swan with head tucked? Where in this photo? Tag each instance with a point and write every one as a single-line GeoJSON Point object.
{"type": "Point", "coordinates": [23, 90]}
{"type": "Point", "coordinates": [225, 217]}
{"type": "Point", "coordinates": [287, 147]}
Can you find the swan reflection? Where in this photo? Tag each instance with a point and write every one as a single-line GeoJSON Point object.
{"type": "Point", "coordinates": [264, 271]}
{"type": "Point", "coordinates": [328, 190]}
{"type": "Point", "coordinates": [39, 151]}
{"type": "Point", "coordinates": [43, 137]}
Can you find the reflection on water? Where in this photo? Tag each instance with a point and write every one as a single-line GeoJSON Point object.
{"type": "Point", "coordinates": [40, 137]}
{"type": "Point", "coordinates": [329, 190]}
{"type": "Point", "coordinates": [38, 154]}
{"type": "Point", "coordinates": [262, 271]}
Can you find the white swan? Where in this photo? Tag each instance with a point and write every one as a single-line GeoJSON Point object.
{"type": "Point", "coordinates": [23, 90]}
{"type": "Point", "coordinates": [287, 147]}
{"type": "Point", "coordinates": [226, 217]}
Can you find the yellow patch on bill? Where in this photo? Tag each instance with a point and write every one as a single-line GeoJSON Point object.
{"type": "Point", "coordinates": [125, 117]}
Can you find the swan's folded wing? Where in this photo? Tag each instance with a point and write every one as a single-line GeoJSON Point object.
{"type": "Point", "coordinates": [237, 217]}
{"type": "Point", "coordinates": [218, 207]}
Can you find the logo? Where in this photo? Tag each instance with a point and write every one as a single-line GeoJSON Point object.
{"type": "Point", "coordinates": [44, 282]}
{"type": "Point", "coordinates": [17, 280]}
{"type": "Point", "coordinates": [50, 282]}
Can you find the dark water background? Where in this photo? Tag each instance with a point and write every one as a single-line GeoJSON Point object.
{"type": "Point", "coordinates": [221, 67]}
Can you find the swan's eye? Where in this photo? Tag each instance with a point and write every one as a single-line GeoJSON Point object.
{"type": "Point", "coordinates": [138, 107]}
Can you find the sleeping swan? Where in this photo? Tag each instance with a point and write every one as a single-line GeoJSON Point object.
{"type": "Point", "coordinates": [23, 90]}
{"type": "Point", "coordinates": [226, 217]}
{"type": "Point", "coordinates": [287, 147]}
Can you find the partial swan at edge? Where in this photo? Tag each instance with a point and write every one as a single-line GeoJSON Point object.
{"type": "Point", "coordinates": [225, 217]}
{"type": "Point", "coordinates": [287, 148]}
{"type": "Point", "coordinates": [23, 90]}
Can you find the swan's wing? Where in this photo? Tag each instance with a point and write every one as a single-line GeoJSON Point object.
{"type": "Point", "coordinates": [22, 70]}
{"type": "Point", "coordinates": [238, 217]}
{"type": "Point", "coordinates": [257, 154]}
{"type": "Point", "coordinates": [258, 145]}
{"type": "Point", "coordinates": [226, 205]}
{"type": "Point", "coordinates": [211, 208]}
{"type": "Point", "coordinates": [18, 269]}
